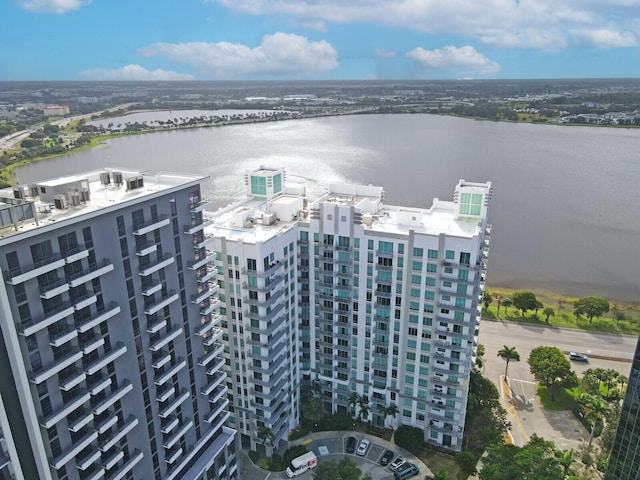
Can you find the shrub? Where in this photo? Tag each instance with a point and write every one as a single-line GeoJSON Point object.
{"type": "Point", "coordinates": [254, 456]}
{"type": "Point", "coordinates": [411, 438]}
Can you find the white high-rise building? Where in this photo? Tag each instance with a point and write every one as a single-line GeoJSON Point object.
{"type": "Point", "coordinates": [378, 305]}
{"type": "Point", "coordinates": [110, 339]}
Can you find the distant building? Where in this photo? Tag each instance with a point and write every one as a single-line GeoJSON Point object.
{"type": "Point", "coordinates": [56, 110]}
{"type": "Point", "coordinates": [87, 99]}
{"type": "Point", "coordinates": [624, 463]}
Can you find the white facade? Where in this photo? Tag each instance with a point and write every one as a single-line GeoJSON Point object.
{"type": "Point", "coordinates": [384, 301]}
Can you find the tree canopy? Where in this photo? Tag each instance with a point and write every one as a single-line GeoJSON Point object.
{"type": "Point", "coordinates": [552, 369]}
{"type": "Point", "coordinates": [508, 354]}
{"type": "Point", "coordinates": [524, 301]}
{"type": "Point", "coordinates": [535, 461]}
{"type": "Point", "coordinates": [592, 307]}
{"type": "Point", "coordinates": [345, 469]}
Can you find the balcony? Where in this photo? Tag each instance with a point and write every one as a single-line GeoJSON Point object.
{"type": "Point", "coordinates": [81, 417]}
{"type": "Point", "coordinates": [92, 272]}
{"type": "Point", "coordinates": [88, 460]}
{"type": "Point", "coordinates": [116, 437]}
{"type": "Point", "coordinates": [166, 260]}
{"type": "Point", "coordinates": [157, 324]}
{"type": "Point", "coordinates": [91, 343]}
{"type": "Point", "coordinates": [83, 301]}
{"type": "Point", "coordinates": [153, 224]}
{"type": "Point", "coordinates": [169, 425]}
{"type": "Point", "coordinates": [173, 455]}
{"type": "Point", "coordinates": [113, 398]}
{"type": "Point", "coordinates": [210, 307]}
{"type": "Point", "coordinates": [194, 227]}
{"type": "Point", "coordinates": [99, 385]}
{"type": "Point", "coordinates": [169, 336]}
{"type": "Point", "coordinates": [128, 466]}
{"type": "Point", "coordinates": [173, 370]}
{"type": "Point", "coordinates": [216, 409]}
{"type": "Point", "coordinates": [218, 378]}
{"type": "Point", "coordinates": [52, 316]}
{"type": "Point", "coordinates": [172, 297]}
{"type": "Point", "coordinates": [78, 446]}
{"type": "Point", "coordinates": [73, 377]}
{"type": "Point", "coordinates": [113, 460]}
{"type": "Point", "coordinates": [156, 286]}
{"type": "Point", "coordinates": [209, 290]}
{"type": "Point", "coordinates": [107, 424]}
{"type": "Point", "coordinates": [218, 393]}
{"type": "Point", "coordinates": [21, 275]}
{"type": "Point", "coordinates": [54, 288]}
{"type": "Point", "coordinates": [74, 254]}
{"type": "Point", "coordinates": [205, 326]}
{"type": "Point", "coordinates": [204, 361]}
{"type": "Point", "coordinates": [145, 248]}
{"type": "Point", "coordinates": [212, 272]}
{"type": "Point", "coordinates": [216, 334]}
{"type": "Point", "coordinates": [200, 261]}
{"type": "Point", "coordinates": [66, 410]}
{"type": "Point", "coordinates": [96, 474]}
{"type": "Point", "coordinates": [160, 358]}
{"type": "Point", "coordinates": [106, 359]}
{"type": "Point", "coordinates": [170, 442]}
{"type": "Point", "coordinates": [199, 206]}
{"type": "Point", "coordinates": [169, 409]}
{"type": "Point", "coordinates": [62, 334]}
{"type": "Point", "coordinates": [112, 311]}
{"type": "Point", "coordinates": [60, 364]}
{"type": "Point", "coordinates": [163, 395]}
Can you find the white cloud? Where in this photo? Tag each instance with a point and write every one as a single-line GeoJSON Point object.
{"type": "Point", "coordinates": [278, 54]}
{"type": "Point", "coordinates": [537, 24]}
{"type": "Point", "coordinates": [134, 72]}
{"type": "Point", "coordinates": [384, 53]}
{"type": "Point", "coordinates": [604, 38]}
{"type": "Point", "coordinates": [59, 7]}
{"type": "Point", "coordinates": [464, 59]}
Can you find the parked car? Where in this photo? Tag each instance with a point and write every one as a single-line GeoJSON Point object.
{"type": "Point", "coordinates": [407, 470]}
{"type": "Point", "coordinates": [397, 463]}
{"type": "Point", "coordinates": [351, 445]}
{"type": "Point", "coordinates": [386, 458]}
{"type": "Point", "coordinates": [578, 357]}
{"type": "Point", "coordinates": [363, 447]}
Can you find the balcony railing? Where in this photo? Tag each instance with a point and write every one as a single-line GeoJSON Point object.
{"type": "Point", "coordinates": [117, 436]}
{"type": "Point", "coordinates": [112, 310]}
{"type": "Point", "coordinates": [91, 273]}
{"type": "Point", "coordinates": [166, 260]}
{"type": "Point", "coordinates": [52, 316]}
{"type": "Point", "coordinates": [113, 398]}
{"type": "Point", "coordinates": [173, 439]}
{"type": "Point", "coordinates": [77, 447]}
{"type": "Point", "coordinates": [163, 302]}
{"type": "Point", "coordinates": [60, 364]}
{"type": "Point", "coordinates": [169, 335]}
{"type": "Point", "coordinates": [128, 466]}
{"type": "Point", "coordinates": [169, 409]}
{"type": "Point", "coordinates": [153, 224]}
{"type": "Point", "coordinates": [66, 410]}
{"type": "Point", "coordinates": [22, 274]}
{"type": "Point", "coordinates": [106, 359]}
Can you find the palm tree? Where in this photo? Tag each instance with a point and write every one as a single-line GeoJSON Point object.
{"type": "Point", "coordinates": [499, 303]}
{"type": "Point", "coordinates": [389, 411]}
{"type": "Point", "coordinates": [363, 403]}
{"type": "Point", "coordinates": [596, 411]}
{"type": "Point", "coordinates": [565, 458]}
{"type": "Point", "coordinates": [353, 399]}
{"type": "Point", "coordinates": [548, 312]}
{"type": "Point", "coordinates": [506, 303]}
{"type": "Point", "coordinates": [487, 298]}
{"type": "Point", "coordinates": [508, 354]}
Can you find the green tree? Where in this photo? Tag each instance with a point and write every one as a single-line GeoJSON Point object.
{"type": "Point", "coordinates": [363, 404]}
{"type": "Point", "coordinates": [548, 312]}
{"type": "Point", "coordinates": [552, 369]}
{"type": "Point", "coordinates": [389, 411]}
{"type": "Point", "coordinates": [524, 301]}
{"type": "Point", "coordinates": [565, 458]}
{"type": "Point", "coordinates": [487, 298]}
{"type": "Point", "coordinates": [266, 434]}
{"type": "Point", "coordinates": [440, 475]}
{"type": "Point", "coordinates": [592, 307]}
{"type": "Point", "coordinates": [595, 412]}
{"type": "Point", "coordinates": [480, 352]}
{"type": "Point", "coordinates": [312, 409]}
{"type": "Point", "coordinates": [506, 303]}
{"type": "Point", "coordinates": [535, 461]}
{"type": "Point", "coordinates": [508, 354]}
{"type": "Point", "coordinates": [345, 469]}
{"type": "Point", "coordinates": [466, 462]}
{"type": "Point", "coordinates": [409, 437]}
{"type": "Point", "coordinates": [610, 377]}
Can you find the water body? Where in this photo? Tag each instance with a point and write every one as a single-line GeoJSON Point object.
{"type": "Point", "coordinates": [565, 202]}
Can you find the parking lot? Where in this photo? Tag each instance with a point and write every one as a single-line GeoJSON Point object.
{"type": "Point", "coordinates": [331, 446]}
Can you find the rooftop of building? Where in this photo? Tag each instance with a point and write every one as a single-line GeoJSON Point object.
{"type": "Point", "coordinates": [58, 199]}
{"type": "Point", "coordinates": [252, 220]}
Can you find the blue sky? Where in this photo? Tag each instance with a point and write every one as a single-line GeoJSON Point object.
{"type": "Point", "coordinates": [318, 39]}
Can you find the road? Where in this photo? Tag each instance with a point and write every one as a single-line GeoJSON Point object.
{"type": "Point", "coordinates": [524, 410]}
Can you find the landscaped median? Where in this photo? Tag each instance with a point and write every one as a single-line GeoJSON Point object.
{"type": "Point", "coordinates": [595, 314]}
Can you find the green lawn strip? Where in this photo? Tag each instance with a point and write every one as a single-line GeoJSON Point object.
{"type": "Point", "coordinates": [564, 399]}
{"type": "Point", "coordinates": [564, 317]}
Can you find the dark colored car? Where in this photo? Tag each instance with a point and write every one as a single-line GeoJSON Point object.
{"type": "Point", "coordinates": [351, 445]}
{"type": "Point", "coordinates": [386, 458]}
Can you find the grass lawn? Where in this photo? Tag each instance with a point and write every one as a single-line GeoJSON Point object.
{"type": "Point", "coordinates": [564, 399]}
{"type": "Point", "coordinates": [564, 317]}
{"type": "Point", "coordinates": [437, 461]}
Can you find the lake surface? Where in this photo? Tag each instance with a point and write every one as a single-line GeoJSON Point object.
{"type": "Point", "coordinates": [565, 207]}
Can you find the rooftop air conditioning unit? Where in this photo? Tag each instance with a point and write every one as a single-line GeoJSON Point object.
{"type": "Point", "coordinates": [19, 193]}
{"type": "Point", "coordinates": [117, 178]}
{"type": "Point", "coordinates": [85, 196]}
{"type": "Point", "coordinates": [105, 178]}
{"type": "Point", "coordinates": [74, 199]}
{"type": "Point", "coordinates": [60, 202]}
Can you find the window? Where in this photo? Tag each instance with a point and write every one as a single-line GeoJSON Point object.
{"type": "Point", "coordinates": [417, 266]}
{"type": "Point", "coordinates": [431, 282]}
{"type": "Point", "coordinates": [450, 255]}
{"type": "Point", "coordinates": [432, 267]}
{"type": "Point", "coordinates": [386, 247]}
{"type": "Point", "coordinates": [418, 252]}
{"type": "Point", "coordinates": [470, 203]}
{"type": "Point", "coordinates": [465, 258]}
{"type": "Point", "coordinates": [432, 253]}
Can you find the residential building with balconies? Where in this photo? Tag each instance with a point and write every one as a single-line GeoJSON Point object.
{"type": "Point", "coordinates": [110, 330]}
